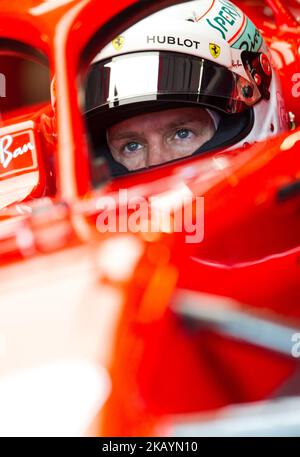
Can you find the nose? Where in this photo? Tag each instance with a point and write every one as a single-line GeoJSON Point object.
{"type": "Point", "coordinates": [158, 153]}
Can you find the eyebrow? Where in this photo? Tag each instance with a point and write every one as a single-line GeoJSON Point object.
{"type": "Point", "coordinates": [183, 121]}
{"type": "Point", "coordinates": [124, 135]}
{"type": "Point", "coordinates": [130, 134]}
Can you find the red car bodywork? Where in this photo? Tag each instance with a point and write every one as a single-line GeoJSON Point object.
{"type": "Point", "coordinates": [161, 369]}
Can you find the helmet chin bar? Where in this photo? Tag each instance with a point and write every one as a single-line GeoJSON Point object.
{"type": "Point", "coordinates": [259, 70]}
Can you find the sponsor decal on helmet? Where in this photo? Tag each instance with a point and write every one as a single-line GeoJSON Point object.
{"type": "Point", "coordinates": [237, 64]}
{"type": "Point", "coordinates": [227, 18]}
{"type": "Point", "coordinates": [249, 40]}
{"type": "Point", "coordinates": [171, 40]}
{"type": "Point", "coordinates": [215, 50]}
{"type": "Point", "coordinates": [236, 28]}
{"type": "Point", "coordinates": [118, 42]}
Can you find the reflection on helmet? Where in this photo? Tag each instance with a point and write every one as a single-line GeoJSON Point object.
{"type": "Point", "coordinates": [201, 53]}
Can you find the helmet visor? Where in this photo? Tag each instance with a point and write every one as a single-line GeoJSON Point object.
{"type": "Point", "coordinates": [164, 76]}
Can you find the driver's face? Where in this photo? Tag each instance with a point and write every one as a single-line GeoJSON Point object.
{"type": "Point", "coordinates": [155, 138]}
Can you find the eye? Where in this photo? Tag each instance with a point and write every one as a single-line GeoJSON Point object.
{"type": "Point", "coordinates": [183, 134]}
{"type": "Point", "coordinates": [131, 147]}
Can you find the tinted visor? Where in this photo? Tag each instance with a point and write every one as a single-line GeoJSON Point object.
{"type": "Point", "coordinates": [149, 77]}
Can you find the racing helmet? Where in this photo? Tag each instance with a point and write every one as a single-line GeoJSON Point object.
{"type": "Point", "coordinates": [204, 53]}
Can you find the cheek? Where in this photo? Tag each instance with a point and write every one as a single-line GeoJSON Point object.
{"type": "Point", "coordinates": [133, 162]}
{"type": "Point", "coordinates": [115, 153]}
{"type": "Point", "coordinates": [209, 131]}
{"type": "Point", "coordinates": [189, 147]}
{"type": "Point", "coordinates": [206, 134]}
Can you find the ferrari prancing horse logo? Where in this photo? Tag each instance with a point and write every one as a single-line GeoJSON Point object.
{"type": "Point", "coordinates": [215, 50]}
{"type": "Point", "coordinates": [118, 43]}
